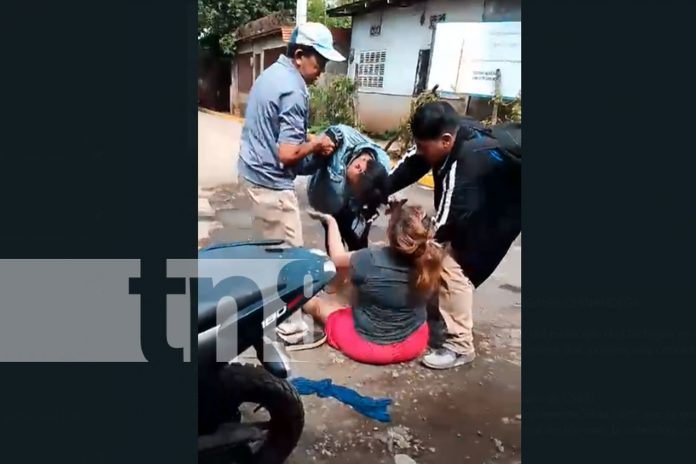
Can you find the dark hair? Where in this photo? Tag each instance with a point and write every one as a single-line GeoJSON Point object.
{"type": "Point", "coordinates": [372, 185]}
{"type": "Point", "coordinates": [293, 47]}
{"type": "Point", "coordinates": [432, 120]}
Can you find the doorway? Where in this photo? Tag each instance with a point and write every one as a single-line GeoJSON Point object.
{"type": "Point", "coordinates": [257, 65]}
{"type": "Point", "coordinates": [422, 71]}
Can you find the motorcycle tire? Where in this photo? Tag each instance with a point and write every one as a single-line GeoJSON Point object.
{"type": "Point", "coordinates": [253, 384]}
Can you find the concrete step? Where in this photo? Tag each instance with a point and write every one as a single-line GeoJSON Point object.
{"type": "Point", "coordinates": [205, 192]}
{"type": "Point", "coordinates": [205, 229]}
{"type": "Point", "coordinates": [204, 209]}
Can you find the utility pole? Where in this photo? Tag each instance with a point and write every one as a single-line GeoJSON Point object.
{"type": "Point", "coordinates": [301, 12]}
{"type": "Point", "coordinates": [496, 98]}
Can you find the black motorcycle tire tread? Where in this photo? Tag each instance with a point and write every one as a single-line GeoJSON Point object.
{"type": "Point", "coordinates": [254, 384]}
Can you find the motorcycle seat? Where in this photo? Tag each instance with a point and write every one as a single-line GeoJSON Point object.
{"type": "Point", "coordinates": [245, 294]}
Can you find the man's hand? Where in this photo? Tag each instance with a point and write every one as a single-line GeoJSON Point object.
{"type": "Point", "coordinates": [321, 217]}
{"type": "Point", "coordinates": [290, 154]}
{"type": "Point", "coordinates": [325, 145]}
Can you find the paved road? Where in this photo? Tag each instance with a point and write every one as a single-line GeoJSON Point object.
{"type": "Point", "coordinates": [453, 416]}
{"type": "Point", "coordinates": [218, 148]}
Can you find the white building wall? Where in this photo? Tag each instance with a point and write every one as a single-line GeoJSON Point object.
{"type": "Point", "coordinates": [402, 36]}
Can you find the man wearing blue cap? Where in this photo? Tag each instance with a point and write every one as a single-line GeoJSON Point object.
{"type": "Point", "coordinates": [274, 144]}
{"type": "Point", "coordinates": [275, 147]}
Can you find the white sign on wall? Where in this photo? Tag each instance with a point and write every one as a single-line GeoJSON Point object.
{"type": "Point", "coordinates": [466, 55]}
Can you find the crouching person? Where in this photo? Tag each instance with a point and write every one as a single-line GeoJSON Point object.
{"type": "Point", "coordinates": [351, 184]}
{"type": "Point", "coordinates": [387, 320]}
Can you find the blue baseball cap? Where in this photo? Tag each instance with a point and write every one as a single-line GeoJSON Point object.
{"type": "Point", "coordinates": [318, 37]}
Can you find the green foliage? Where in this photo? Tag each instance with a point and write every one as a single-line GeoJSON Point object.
{"type": "Point", "coordinates": [510, 110]}
{"type": "Point", "coordinates": [403, 135]}
{"type": "Point", "coordinates": [516, 109]}
{"type": "Point", "coordinates": [219, 19]}
{"type": "Point", "coordinates": [316, 12]}
{"type": "Point", "coordinates": [333, 103]}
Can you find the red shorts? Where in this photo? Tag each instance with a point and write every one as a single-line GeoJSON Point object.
{"type": "Point", "coordinates": [341, 334]}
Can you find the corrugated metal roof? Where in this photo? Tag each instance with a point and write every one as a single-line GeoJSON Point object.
{"type": "Point", "coordinates": [366, 6]}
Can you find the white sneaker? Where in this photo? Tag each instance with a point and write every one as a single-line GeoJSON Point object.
{"type": "Point", "coordinates": [293, 330]}
{"type": "Point", "coordinates": [444, 358]}
{"type": "Point", "coordinates": [297, 335]}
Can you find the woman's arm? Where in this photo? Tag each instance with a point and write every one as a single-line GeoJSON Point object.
{"type": "Point", "coordinates": [337, 252]}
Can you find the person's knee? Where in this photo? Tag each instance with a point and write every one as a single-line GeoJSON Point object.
{"type": "Point", "coordinates": [454, 280]}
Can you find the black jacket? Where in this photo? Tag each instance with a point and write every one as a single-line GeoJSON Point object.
{"type": "Point", "coordinates": [477, 198]}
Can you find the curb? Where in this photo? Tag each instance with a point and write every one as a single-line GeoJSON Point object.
{"type": "Point", "coordinates": [425, 181]}
{"type": "Point", "coordinates": [229, 116]}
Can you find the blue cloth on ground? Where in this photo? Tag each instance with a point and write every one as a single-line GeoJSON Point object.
{"type": "Point", "coordinates": [374, 408]}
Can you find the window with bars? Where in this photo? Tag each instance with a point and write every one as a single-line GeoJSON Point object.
{"type": "Point", "coordinates": [370, 69]}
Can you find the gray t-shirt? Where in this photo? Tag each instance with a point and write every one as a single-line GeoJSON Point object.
{"type": "Point", "coordinates": [277, 112]}
{"type": "Point", "coordinates": [384, 311]}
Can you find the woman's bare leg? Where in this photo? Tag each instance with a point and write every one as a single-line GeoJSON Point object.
{"type": "Point", "coordinates": [321, 307]}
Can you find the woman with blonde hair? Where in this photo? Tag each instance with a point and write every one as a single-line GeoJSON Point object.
{"type": "Point", "coordinates": [387, 321]}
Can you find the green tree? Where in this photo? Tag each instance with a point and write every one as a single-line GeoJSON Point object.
{"type": "Point", "coordinates": [219, 19]}
{"type": "Point", "coordinates": [316, 12]}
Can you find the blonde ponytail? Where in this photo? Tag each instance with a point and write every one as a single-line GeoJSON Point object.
{"type": "Point", "coordinates": [410, 237]}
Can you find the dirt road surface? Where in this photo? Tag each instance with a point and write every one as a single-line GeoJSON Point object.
{"type": "Point", "coordinates": [469, 414]}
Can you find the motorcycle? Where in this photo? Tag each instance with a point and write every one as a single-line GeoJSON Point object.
{"type": "Point", "coordinates": [226, 387]}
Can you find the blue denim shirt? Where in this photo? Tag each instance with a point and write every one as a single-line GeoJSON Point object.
{"type": "Point", "coordinates": [277, 112]}
{"type": "Point", "coordinates": [328, 190]}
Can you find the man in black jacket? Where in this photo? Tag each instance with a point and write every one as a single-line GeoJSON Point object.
{"type": "Point", "coordinates": [477, 198]}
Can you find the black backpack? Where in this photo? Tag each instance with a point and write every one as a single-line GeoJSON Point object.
{"type": "Point", "coordinates": [509, 136]}
{"type": "Point", "coordinates": [469, 128]}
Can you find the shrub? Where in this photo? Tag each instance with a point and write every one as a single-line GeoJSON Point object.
{"type": "Point", "coordinates": [403, 133]}
{"type": "Point", "coordinates": [510, 110]}
{"type": "Point", "coordinates": [332, 103]}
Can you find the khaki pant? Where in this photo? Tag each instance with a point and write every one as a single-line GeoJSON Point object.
{"type": "Point", "coordinates": [456, 304]}
{"type": "Point", "coordinates": [276, 213]}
